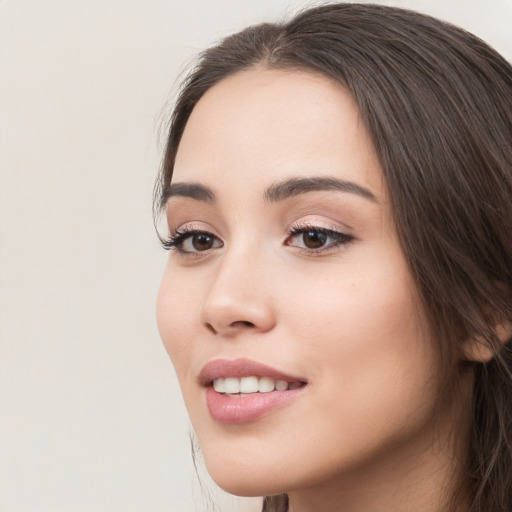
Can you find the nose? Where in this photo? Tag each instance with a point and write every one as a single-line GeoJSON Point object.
{"type": "Point", "coordinates": [240, 297]}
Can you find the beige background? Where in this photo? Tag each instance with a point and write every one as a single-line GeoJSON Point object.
{"type": "Point", "coordinates": [90, 413]}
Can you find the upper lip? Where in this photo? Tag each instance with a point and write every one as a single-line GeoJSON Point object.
{"type": "Point", "coordinates": [222, 368]}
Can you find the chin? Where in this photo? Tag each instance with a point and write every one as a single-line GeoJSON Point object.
{"type": "Point", "coordinates": [248, 478]}
{"type": "Point", "coordinates": [249, 486]}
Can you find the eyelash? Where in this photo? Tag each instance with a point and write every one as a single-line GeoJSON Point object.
{"type": "Point", "coordinates": [339, 238]}
{"type": "Point", "coordinates": [177, 239]}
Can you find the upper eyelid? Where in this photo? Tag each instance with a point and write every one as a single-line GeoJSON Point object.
{"type": "Point", "coordinates": [322, 225]}
{"type": "Point", "coordinates": [191, 226]}
{"type": "Point", "coordinates": [316, 221]}
{"type": "Point", "coordinates": [313, 225]}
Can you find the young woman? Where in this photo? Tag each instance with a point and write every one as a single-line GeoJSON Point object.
{"type": "Point", "coordinates": [338, 298]}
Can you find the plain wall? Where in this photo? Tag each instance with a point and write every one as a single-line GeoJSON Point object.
{"type": "Point", "coordinates": [91, 417]}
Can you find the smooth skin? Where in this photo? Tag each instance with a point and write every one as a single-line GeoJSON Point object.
{"type": "Point", "coordinates": [272, 279]}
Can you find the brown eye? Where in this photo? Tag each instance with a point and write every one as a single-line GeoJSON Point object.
{"type": "Point", "coordinates": [317, 240]}
{"type": "Point", "coordinates": [190, 242]}
{"type": "Point", "coordinates": [313, 239]}
{"type": "Point", "coordinates": [202, 241]}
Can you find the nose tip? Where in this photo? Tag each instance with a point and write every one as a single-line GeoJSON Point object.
{"type": "Point", "coordinates": [228, 318]}
{"type": "Point", "coordinates": [233, 307]}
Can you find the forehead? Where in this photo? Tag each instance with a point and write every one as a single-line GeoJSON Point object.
{"type": "Point", "coordinates": [263, 125]}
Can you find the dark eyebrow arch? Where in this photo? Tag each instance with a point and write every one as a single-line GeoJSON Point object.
{"type": "Point", "coordinates": [276, 192]}
{"type": "Point", "coordinates": [191, 190]}
{"type": "Point", "coordinates": [295, 186]}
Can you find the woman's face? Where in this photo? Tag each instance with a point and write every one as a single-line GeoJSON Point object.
{"type": "Point", "coordinates": [286, 278]}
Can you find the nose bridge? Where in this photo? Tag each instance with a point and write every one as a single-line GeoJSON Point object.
{"type": "Point", "coordinates": [239, 297]}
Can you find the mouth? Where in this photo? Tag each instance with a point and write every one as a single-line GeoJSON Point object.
{"type": "Point", "coordinates": [241, 391]}
{"type": "Point", "coordinates": [233, 386]}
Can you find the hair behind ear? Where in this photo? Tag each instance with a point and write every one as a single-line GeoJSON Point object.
{"type": "Point", "coordinates": [491, 434]}
{"type": "Point", "coordinates": [277, 503]}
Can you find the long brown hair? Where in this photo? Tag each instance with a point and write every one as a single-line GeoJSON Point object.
{"type": "Point", "coordinates": [437, 102]}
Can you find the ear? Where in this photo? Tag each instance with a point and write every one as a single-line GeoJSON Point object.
{"type": "Point", "coordinates": [477, 350]}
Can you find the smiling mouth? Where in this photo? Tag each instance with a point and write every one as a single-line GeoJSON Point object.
{"type": "Point", "coordinates": [233, 386]}
{"type": "Point", "coordinates": [240, 391]}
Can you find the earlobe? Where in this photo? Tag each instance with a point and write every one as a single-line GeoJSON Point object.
{"type": "Point", "coordinates": [478, 350]}
{"type": "Point", "coordinates": [504, 331]}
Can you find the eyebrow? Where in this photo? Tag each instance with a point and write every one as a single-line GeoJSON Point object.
{"type": "Point", "coordinates": [277, 192]}
{"type": "Point", "coordinates": [295, 186]}
{"type": "Point", "coordinates": [191, 190]}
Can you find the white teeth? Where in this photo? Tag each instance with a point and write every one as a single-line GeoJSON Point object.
{"type": "Point", "coordinates": [281, 385]}
{"type": "Point", "coordinates": [266, 385]}
{"type": "Point", "coordinates": [218, 385]}
{"type": "Point", "coordinates": [249, 385]}
{"type": "Point", "coordinates": [246, 385]}
{"type": "Point", "coordinates": [231, 385]}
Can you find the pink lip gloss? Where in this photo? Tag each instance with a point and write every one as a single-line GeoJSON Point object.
{"type": "Point", "coordinates": [269, 389]}
{"type": "Point", "coordinates": [245, 408]}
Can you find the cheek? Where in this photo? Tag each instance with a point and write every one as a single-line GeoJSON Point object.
{"type": "Point", "coordinates": [176, 320]}
{"type": "Point", "coordinates": [370, 303]}
{"type": "Point", "coordinates": [368, 346]}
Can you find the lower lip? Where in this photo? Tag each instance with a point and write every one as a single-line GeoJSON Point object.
{"type": "Point", "coordinates": [243, 409]}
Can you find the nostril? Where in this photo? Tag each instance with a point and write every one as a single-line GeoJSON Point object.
{"type": "Point", "coordinates": [211, 328]}
{"type": "Point", "coordinates": [242, 323]}
{"type": "Point", "coordinates": [232, 327]}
